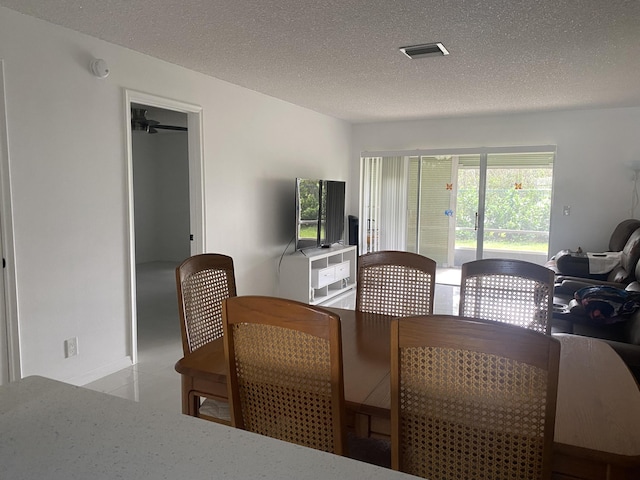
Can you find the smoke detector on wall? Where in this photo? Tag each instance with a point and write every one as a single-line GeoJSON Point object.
{"type": "Point", "coordinates": [99, 68]}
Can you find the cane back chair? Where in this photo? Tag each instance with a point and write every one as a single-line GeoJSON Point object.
{"type": "Point", "coordinates": [505, 290]}
{"type": "Point", "coordinates": [285, 371]}
{"type": "Point", "coordinates": [395, 283]}
{"type": "Point", "coordinates": [203, 282]}
{"type": "Point", "coordinates": [472, 399]}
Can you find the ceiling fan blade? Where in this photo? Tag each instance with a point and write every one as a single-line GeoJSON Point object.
{"type": "Point", "coordinates": [171, 127]}
{"type": "Point", "coordinates": [138, 126]}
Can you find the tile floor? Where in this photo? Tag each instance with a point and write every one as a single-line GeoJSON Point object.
{"type": "Point", "coordinates": [153, 380]}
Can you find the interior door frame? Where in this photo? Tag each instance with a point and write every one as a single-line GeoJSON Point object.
{"type": "Point", "coordinates": [11, 362]}
{"type": "Point", "coordinates": [196, 190]}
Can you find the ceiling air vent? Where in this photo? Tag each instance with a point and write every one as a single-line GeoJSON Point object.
{"type": "Point", "coordinates": [426, 50]}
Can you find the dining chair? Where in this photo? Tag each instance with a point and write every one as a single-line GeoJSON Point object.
{"type": "Point", "coordinates": [203, 282]}
{"type": "Point", "coordinates": [395, 283]}
{"type": "Point", "coordinates": [472, 399]}
{"type": "Point", "coordinates": [285, 371]}
{"type": "Point", "coordinates": [505, 290]}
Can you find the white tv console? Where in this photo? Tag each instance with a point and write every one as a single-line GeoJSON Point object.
{"type": "Point", "coordinates": [317, 275]}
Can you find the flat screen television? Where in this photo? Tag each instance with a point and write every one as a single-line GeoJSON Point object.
{"type": "Point", "coordinates": [320, 213]}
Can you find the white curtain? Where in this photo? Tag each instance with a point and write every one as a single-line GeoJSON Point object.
{"type": "Point", "coordinates": [383, 224]}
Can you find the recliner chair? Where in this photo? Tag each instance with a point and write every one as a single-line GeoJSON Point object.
{"type": "Point", "coordinates": [626, 272]}
{"type": "Point", "coordinates": [576, 264]}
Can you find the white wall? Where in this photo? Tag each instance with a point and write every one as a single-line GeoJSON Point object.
{"type": "Point", "coordinates": [161, 185]}
{"type": "Point", "coordinates": [66, 138]}
{"type": "Point", "coordinates": [591, 176]}
{"type": "Point", "coordinates": [173, 197]}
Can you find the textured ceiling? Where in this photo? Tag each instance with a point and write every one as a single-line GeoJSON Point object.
{"type": "Point", "coordinates": [341, 58]}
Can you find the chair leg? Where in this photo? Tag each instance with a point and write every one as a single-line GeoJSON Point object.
{"type": "Point", "coordinates": [194, 404]}
{"type": "Point", "coordinates": [190, 402]}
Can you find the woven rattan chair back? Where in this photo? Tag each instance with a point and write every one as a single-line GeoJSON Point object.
{"type": "Point", "coordinates": [285, 371]}
{"type": "Point", "coordinates": [203, 282]}
{"type": "Point", "coordinates": [510, 291]}
{"type": "Point", "coordinates": [395, 283]}
{"type": "Point", "coordinates": [472, 399]}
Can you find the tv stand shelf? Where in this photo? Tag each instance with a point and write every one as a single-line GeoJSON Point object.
{"type": "Point", "coordinates": [317, 275]}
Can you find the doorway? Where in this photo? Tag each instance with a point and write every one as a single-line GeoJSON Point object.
{"type": "Point", "coordinates": [165, 213]}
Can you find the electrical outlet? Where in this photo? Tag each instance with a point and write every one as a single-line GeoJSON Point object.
{"type": "Point", "coordinates": [71, 347]}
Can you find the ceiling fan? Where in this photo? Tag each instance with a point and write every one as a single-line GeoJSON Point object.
{"type": "Point", "coordinates": [139, 122]}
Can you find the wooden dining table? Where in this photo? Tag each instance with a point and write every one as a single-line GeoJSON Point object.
{"type": "Point", "coordinates": [597, 429]}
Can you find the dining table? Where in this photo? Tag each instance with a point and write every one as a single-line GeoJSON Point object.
{"type": "Point", "coordinates": [597, 427]}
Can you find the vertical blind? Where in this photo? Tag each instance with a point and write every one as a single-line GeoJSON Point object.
{"type": "Point", "coordinates": [384, 205]}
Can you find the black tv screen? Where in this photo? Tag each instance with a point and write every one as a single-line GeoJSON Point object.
{"type": "Point", "coordinates": [320, 211]}
{"type": "Point", "coordinates": [332, 214]}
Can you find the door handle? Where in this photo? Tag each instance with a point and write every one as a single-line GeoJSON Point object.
{"type": "Point", "coordinates": [475, 227]}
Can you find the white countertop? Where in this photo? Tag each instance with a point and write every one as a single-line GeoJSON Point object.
{"type": "Point", "coordinates": [51, 430]}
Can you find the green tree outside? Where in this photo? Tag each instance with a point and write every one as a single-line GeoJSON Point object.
{"type": "Point", "coordinates": [309, 192]}
{"type": "Point", "coordinates": [516, 199]}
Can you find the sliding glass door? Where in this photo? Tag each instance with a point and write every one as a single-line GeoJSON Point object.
{"type": "Point", "coordinates": [428, 231]}
{"type": "Point", "coordinates": [517, 206]}
{"type": "Point", "coordinates": [460, 206]}
{"type": "Point", "coordinates": [468, 211]}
